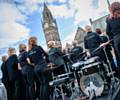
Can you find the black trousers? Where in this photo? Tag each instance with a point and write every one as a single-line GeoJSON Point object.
{"type": "Point", "coordinates": [101, 54]}
{"type": "Point", "coordinates": [11, 90]}
{"type": "Point", "coordinates": [14, 90]}
{"type": "Point", "coordinates": [43, 79]}
{"type": "Point", "coordinates": [29, 79]}
{"type": "Point", "coordinates": [117, 51]}
{"type": "Point", "coordinates": [15, 87]}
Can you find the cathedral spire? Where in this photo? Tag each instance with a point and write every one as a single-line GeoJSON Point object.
{"type": "Point", "coordinates": [45, 7]}
{"type": "Point", "coordinates": [50, 26]}
{"type": "Point", "coordinates": [47, 15]}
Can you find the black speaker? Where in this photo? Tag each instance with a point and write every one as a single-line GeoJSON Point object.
{"type": "Point", "coordinates": [116, 94]}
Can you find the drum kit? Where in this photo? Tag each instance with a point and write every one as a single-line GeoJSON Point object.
{"type": "Point", "coordinates": [84, 79]}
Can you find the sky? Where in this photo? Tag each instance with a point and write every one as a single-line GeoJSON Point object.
{"type": "Point", "coordinates": [20, 19]}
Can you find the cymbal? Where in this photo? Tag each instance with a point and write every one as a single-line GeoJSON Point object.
{"type": "Point", "coordinates": [68, 54]}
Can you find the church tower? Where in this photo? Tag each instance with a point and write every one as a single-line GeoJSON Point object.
{"type": "Point", "coordinates": [50, 26]}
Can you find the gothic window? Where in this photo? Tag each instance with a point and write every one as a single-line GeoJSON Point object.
{"type": "Point", "coordinates": [47, 14]}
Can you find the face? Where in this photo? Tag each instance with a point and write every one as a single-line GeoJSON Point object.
{"type": "Point", "coordinates": [24, 47]}
{"type": "Point", "coordinates": [11, 52]}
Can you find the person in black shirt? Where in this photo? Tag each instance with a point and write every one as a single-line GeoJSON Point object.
{"type": "Point", "coordinates": [4, 72]}
{"type": "Point", "coordinates": [76, 50]}
{"type": "Point", "coordinates": [14, 76]}
{"type": "Point", "coordinates": [91, 42]}
{"type": "Point", "coordinates": [108, 48]}
{"type": "Point", "coordinates": [113, 29]}
{"type": "Point", "coordinates": [38, 57]}
{"type": "Point", "coordinates": [27, 73]}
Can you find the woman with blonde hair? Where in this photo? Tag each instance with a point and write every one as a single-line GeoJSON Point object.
{"type": "Point", "coordinates": [113, 29]}
{"type": "Point", "coordinates": [27, 73]}
{"type": "Point", "coordinates": [38, 57]}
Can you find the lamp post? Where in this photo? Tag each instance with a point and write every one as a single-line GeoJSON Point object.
{"type": "Point", "coordinates": [108, 2]}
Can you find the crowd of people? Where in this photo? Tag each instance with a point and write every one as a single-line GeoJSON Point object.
{"type": "Point", "coordinates": [27, 76]}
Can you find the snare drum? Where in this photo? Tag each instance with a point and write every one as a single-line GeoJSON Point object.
{"type": "Point", "coordinates": [91, 66]}
{"type": "Point", "coordinates": [77, 65]}
{"type": "Point", "coordinates": [92, 60]}
{"type": "Point", "coordinates": [92, 82]}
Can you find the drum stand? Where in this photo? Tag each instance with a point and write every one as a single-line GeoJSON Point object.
{"type": "Point", "coordinates": [60, 89]}
{"type": "Point", "coordinates": [77, 89]}
{"type": "Point", "coordinates": [114, 81]}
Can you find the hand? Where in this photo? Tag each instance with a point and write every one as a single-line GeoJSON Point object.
{"type": "Point", "coordinates": [19, 67]}
{"type": "Point", "coordinates": [88, 54]}
{"type": "Point", "coordinates": [104, 44]}
{"type": "Point", "coordinates": [50, 65]}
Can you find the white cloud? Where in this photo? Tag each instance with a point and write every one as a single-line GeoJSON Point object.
{"type": "Point", "coordinates": [85, 10]}
{"type": "Point", "coordinates": [80, 10]}
{"type": "Point", "coordinates": [69, 38]}
{"type": "Point", "coordinates": [62, 1]}
{"type": "Point", "coordinates": [9, 13]}
{"type": "Point", "coordinates": [46, 1]}
{"type": "Point", "coordinates": [11, 31]}
{"type": "Point", "coordinates": [61, 11]}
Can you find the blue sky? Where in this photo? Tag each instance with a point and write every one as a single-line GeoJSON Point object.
{"type": "Point", "coordinates": [20, 19]}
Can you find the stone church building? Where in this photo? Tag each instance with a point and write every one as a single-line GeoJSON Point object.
{"type": "Point", "coordinates": [50, 26]}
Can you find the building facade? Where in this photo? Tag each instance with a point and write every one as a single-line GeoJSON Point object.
{"type": "Point", "coordinates": [99, 23]}
{"type": "Point", "coordinates": [79, 37]}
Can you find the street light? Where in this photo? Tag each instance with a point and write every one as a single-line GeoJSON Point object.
{"type": "Point", "coordinates": [108, 2]}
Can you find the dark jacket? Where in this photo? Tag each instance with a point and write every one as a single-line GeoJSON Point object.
{"type": "Point", "coordinates": [5, 73]}
{"type": "Point", "coordinates": [113, 27]}
{"type": "Point", "coordinates": [22, 58]}
{"type": "Point", "coordinates": [37, 55]}
{"type": "Point", "coordinates": [76, 53]}
{"type": "Point", "coordinates": [55, 56]}
{"type": "Point", "coordinates": [105, 39]}
{"type": "Point", "coordinates": [12, 67]}
{"type": "Point", "coordinates": [91, 41]}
